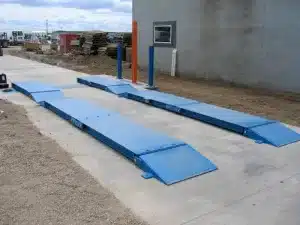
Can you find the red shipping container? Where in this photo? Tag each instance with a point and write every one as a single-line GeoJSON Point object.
{"type": "Point", "coordinates": [65, 41]}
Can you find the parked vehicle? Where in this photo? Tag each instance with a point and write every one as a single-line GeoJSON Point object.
{"type": "Point", "coordinates": [17, 38]}
{"type": "Point", "coordinates": [4, 42]}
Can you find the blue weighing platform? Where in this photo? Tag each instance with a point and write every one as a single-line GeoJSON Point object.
{"type": "Point", "coordinates": [167, 159]}
{"type": "Point", "coordinates": [260, 129]}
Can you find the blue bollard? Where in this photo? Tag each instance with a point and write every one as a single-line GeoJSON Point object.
{"type": "Point", "coordinates": [151, 69]}
{"type": "Point", "coordinates": [119, 59]}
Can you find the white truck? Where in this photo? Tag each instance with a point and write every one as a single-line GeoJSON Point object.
{"type": "Point", "coordinates": [17, 38]}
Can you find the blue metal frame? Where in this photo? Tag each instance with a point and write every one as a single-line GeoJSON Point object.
{"type": "Point", "coordinates": [144, 148]}
{"type": "Point", "coordinates": [118, 87]}
{"type": "Point", "coordinates": [241, 123]}
{"type": "Point", "coordinates": [167, 159]}
{"type": "Point", "coordinates": [37, 91]}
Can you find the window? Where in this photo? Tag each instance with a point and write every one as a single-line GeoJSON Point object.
{"type": "Point", "coordinates": [164, 34]}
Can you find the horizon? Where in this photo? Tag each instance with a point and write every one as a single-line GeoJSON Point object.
{"type": "Point", "coordinates": [31, 15]}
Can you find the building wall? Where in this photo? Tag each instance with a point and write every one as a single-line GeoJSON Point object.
{"type": "Point", "coordinates": [252, 42]}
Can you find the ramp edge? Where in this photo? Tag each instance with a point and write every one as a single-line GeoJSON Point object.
{"type": "Point", "coordinates": [163, 173]}
{"type": "Point", "coordinates": [54, 93]}
{"type": "Point", "coordinates": [282, 135]}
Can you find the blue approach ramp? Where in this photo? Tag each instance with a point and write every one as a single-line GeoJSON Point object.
{"type": "Point", "coordinates": [260, 129]}
{"type": "Point", "coordinates": [167, 159]}
{"type": "Point", "coordinates": [39, 92]}
{"type": "Point", "coordinates": [118, 87]}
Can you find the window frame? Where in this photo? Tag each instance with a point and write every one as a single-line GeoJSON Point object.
{"type": "Point", "coordinates": [172, 25]}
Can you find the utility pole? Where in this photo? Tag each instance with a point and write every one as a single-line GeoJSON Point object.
{"type": "Point", "coordinates": [47, 31]}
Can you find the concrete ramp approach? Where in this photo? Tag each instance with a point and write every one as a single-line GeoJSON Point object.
{"type": "Point", "coordinates": [167, 159]}
{"type": "Point", "coordinates": [260, 129]}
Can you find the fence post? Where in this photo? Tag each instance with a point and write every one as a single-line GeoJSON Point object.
{"type": "Point", "coordinates": [119, 59]}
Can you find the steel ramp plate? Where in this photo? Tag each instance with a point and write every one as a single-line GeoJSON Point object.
{"type": "Point", "coordinates": [118, 87]}
{"type": "Point", "coordinates": [121, 90]}
{"type": "Point", "coordinates": [40, 97]}
{"type": "Point", "coordinates": [114, 127]}
{"type": "Point", "coordinates": [38, 91]}
{"type": "Point", "coordinates": [222, 117]}
{"type": "Point", "coordinates": [131, 137]}
{"type": "Point", "coordinates": [275, 134]}
{"type": "Point", "coordinates": [134, 141]}
{"type": "Point", "coordinates": [160, 97]}
{"type": "Point", "coordinates": [161, 100]}
{"type": "Point", "coordinates": [177, 164]}
{"type": "Point", "coordinates": [33, 87]}
{"type": "Point", "coordinates": [100, 81]}
{"type": "Point", "coordinates": [77, 108]}
{"type": "Point", "coordinates": [165, 98]}
{"type": "Point", "coordinates": [140, 96]}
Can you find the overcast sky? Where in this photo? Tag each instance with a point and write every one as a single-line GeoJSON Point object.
{"type": "Point", "coordinates": [31, 15]}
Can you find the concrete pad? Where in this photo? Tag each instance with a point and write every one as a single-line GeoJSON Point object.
{"type": "Point", "coordinates": [254, 184]}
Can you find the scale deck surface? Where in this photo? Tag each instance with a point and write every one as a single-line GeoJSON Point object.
{"type": "Point", "coordinates": [167, 159]}
{"type": "Point", "coordinates": [260, 129]}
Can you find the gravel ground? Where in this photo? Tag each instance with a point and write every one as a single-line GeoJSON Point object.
{"type": "Point", "coordinates": [41, 184]}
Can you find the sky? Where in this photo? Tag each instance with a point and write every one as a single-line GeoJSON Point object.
{"type": "Point", "coordinates": [31, 15]}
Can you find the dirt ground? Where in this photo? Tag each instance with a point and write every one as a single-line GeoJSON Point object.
{"type": "Point", "coordinates": [281, 106]}
{"type": "Point", "coordinates": [41, 184]}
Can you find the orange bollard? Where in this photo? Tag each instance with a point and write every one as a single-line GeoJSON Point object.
{"type": "Point", "coordinates": [134, 52]}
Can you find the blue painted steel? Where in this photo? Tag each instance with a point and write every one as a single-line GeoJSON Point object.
{"type": "Point", "coordinates": [158, 99]}
{"type": "Point", "coordinates": [170, 165]}
{"type": "Point", "coordinates": [75, 108]}
{"type": "Point", "coordinates": [134, 138]}
{"type": "Point", "coordinates": [222, 117]}
{"type": "Point", "coordinates": [119, 60]}
{"type": "Point", "coordinates": [118, 87]}
{"type": "Point", "coordinates": [274, 133]}
{"type": "Point", "coordinates": [121, 90]}
{"type": "Point", "coordinates": [151, 67]}
{"type": "Point", "coordinates": [161, 100]}
{"type": "Point", "coordinates": [114, 126]}
{"type": "Point", "coordinates": [100, 81]}
{"type": "Point", "coordinates": [28, 87]}
{"type": "Point", "coordinates": [38, 91]}
{"type": "Point", "coordinates": [135, 142]}
{"type": "Point", "coordinates": [42, 96]}
{"type": "Point", "coordinates": [117, 132]}
{"type": "Point", "coordinates": [84, 80]}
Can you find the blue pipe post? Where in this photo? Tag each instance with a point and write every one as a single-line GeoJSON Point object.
{"type": "Point", "coordinates": [119, 59]}
{"type": "Point", "coordinates": [151, 69]}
